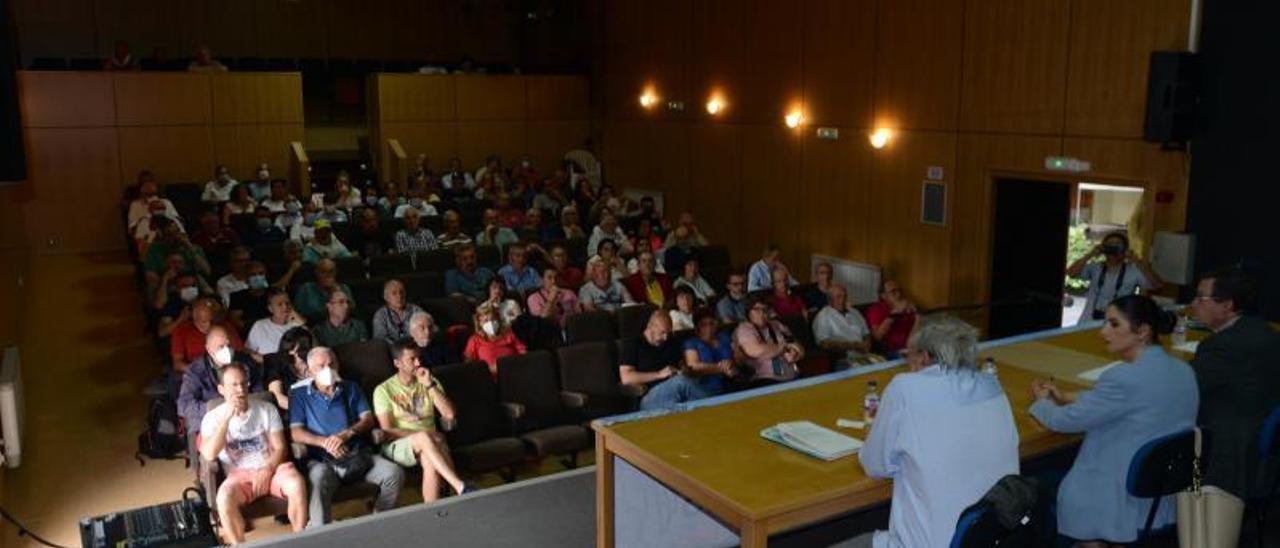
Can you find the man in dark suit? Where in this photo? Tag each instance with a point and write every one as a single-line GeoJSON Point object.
{"type": "Point", "coordinates": [1238, 369]}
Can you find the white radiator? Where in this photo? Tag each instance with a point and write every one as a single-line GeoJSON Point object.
{"type": "Point", "coordinates": [11, 411]}
{"type": "Point", "coordinates": [861, 280]}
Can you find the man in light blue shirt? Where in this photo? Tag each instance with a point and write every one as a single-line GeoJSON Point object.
{"type": "Point", "coordinates": [760, 276]}
{"type": "Point", "coordinates": [518, 276]}
{"type": "Point", "coordinates": [944, 433]}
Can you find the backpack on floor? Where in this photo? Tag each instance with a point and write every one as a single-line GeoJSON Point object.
{"type": "Point", "coordinates": [165, 436]}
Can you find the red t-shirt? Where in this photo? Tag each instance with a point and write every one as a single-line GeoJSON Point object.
{"type": "Point", "coordinates": [189, 341]}
{"type": "Point", "coordinates": [789, 305]}
{"type": "Point", "coordinates": [489, 351]}
{"type": "Point", "coordinates": [896, 338]}
{"type": "Point", "coordinates": [570, 278]}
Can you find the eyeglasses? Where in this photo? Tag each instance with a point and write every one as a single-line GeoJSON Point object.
{"type": "Point", "coordinates": [1205, 298]}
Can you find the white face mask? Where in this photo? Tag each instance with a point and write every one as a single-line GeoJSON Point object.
{"type": "Point", "coordinates": [490, 328]}
{"type": "Point", "coordinates": [326, 377]}
{"type": "Point", "coordinates": [189, 293]}
{"type": "Point", "coordinates": [222, 356]}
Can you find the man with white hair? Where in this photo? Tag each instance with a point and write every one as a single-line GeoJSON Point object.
{"type": "Point", "coordinates": [944, 433]}
{"type": "Point", "coordinates": [433, 347]}
{"type": "Point", "coordinates": [333, 419]}
{"type": "Point", "coordinates": [842, 328]}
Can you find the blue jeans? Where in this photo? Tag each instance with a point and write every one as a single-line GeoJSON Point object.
{"type": "Point", "coordinates": [676, 389]}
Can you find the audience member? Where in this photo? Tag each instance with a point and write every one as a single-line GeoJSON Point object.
{"type": "Point", "coordinates": [732, 308]}
{"type": "Point", "coordinates": [891, 319]}
{"type": "Point", "coordinates": [260, 186]}
{"type": "Point", "coordinates": [509, 214]}
{"type": "Point", "coordinates": [645, 239]}
{"type": "Point", "coordinates": [492, 339]}
{"type": "Point", "coordinates": [325, 245]}
{"type": "Point", "coordinates": [189, 337]}
{"type": "Point", "coordinates": [683, 308]}
{"type": "Point", "coordinates": [247, 437]}
{"type": "Point", "coordinates": [467, 280]}
{"type": "Point", "coordinates": [219, 189]}
{"type": "Point", "coordinates": [238, 278]}
{"type": "Point", "coordinates": [944, 433]}
{"type": "Point", "coordinates": [204, 61]}
{"type": "Point", "coordinates": [171, 302]}
{"type": "Point", "coordinates": [264, 337]}
{"type": "Point", "coordinates": [241, 203]}
{"type": "Point", "coordinates": [815, 296]}
{"type": "Point", "coordinates": [1237, 375]}
{"type": "Point", "coordinates": [280, 201]}
{"type": "Point", "coordinates": [415, 203]}
{"type": "Point", "coordinates": [200, 377]}
{"type": "Point", "coordinates": [457, 182]}
{"type": "Point", "coordinates": [453, 236]}
{"type": "Point", "coordinates": [533, 230]}
{"type": "Point", "coordinates": [496, 296]}
{"type": "Point", "coordinates": [692, 279]}
{"type": "Point", "coordinates": [414, 238]}
{"type": "Point", "coordinates": [608, 255]}
{"type": "Point", "coordinates": [339, 327]}
{"type": "Point", "coordinates": [570, 224]}
{"type": "Point", "coordinates": [550, 199]}
{"type": "Point", "coordinates": [345, 195]}
{"type": "Point", "coordinates": [121, 58]}
{"type": "Point", "coordinates": [312, 298]}
{"type": "Point", "coordinates": [391, 200]}
{"type": "Point", "coordinates": [655, 360]}
{"type": "Point", "coordinates": [518, 276]}
{"type": "Point", "coordinates": [760, 275]}
{"type": "Point", "coordinates": [303, 228]}
{"type": "Point", "coordinates": [406, 405]}
{"type": "Point", "coordinates": [601, 292]}
{"type": "Point", "coordinates": [329, 210]}
{"type": "Point", "coordinates": [332, 418]}
{"type": "Point", "coordinates": [265, 231]}
{"type": "Point", "coordinates": [288, 366]}
{"type": "Point", "coordinates": [422, 175]}
{"type": "Point", "coordinates": [709, 354]}
{"type": "Point", "coordinates": [494, 233]}
{"type": "Point", "coordinates": [770, 350]}
{"type": "Point", "coordinates": [492, 168]}
{"type": "Point", "coordinates": [608, 229]}
{"type": "Point", "coordinates": [647, 284]}
{"type": "Point", "coordinates": [433, 347]}
{"type": "Point", "coordinates": [149, 202]}
{"type": "Point", "coordinates": [367, 240]}
{"type": "Point", "coordinates": [841, 328]}
{"type": "Point", "coordinates": [214, 239]}
{"type": "Point", "coordinates": [391, 322]}
{"type": "Point", "coordinates": [552, 301]}
{"type": "Point", "coordinates": [294, 267]}
{"type": "Point", "coordinates": [1151, 394]}
{"type": "Point", "coordinates": [171, 240]}
{"type": "Point", "coordinates": [568, 276]}
{"type": "Point", "coordinates": [1120, 273]}
{"type": "Point", "coordinates": [783, 301]}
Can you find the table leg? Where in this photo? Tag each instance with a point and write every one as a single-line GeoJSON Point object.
{"type": "Point", "coordinates": [753, 535]}
{"type": "Point", "coordinates": [604, 494]}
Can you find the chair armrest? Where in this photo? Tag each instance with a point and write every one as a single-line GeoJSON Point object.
{"type": "Point", "coordinates": [572, 399]}
{"type": "Point", "coordinates": [514, 410]}
{"type": "Point", "coordinates": [632, 390]}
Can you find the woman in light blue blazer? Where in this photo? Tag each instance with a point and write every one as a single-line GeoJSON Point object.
{"type": "Point", "coordinates": [1150, 394]}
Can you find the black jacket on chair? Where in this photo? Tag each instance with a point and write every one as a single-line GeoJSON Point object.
{"type": "Point", "coordinates": [1238, 370]}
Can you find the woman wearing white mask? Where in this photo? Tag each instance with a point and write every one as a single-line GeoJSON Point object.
{"type": "Point", "coordinates": [492, 339]}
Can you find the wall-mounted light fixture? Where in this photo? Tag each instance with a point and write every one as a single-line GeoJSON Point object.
{"type": "Point", "coordinates": [880, 137]}
{"type": "Point", "coordinates": [794, 118]}
{"type": "Point", "coordinates": [715, 105]}
{"type": "Point", "coordinates": [648, 98]}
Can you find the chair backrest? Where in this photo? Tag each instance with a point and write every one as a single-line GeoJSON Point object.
{"type": "Point", "coordinates": [595, 325]}
{"type": "Point", "coordinates": [391, 264]}
{"type": "Point", "coordinates": [590, 368]}
{"type": "Point", "coordinates": [977, 528]}
{"type": "Point", "coordinates": [713, 255]}
{"type": "Point", "coordinates": [538, 333]}
{"type": "Point", "coordinates": [488, 256]}
{"type": "Point", "coordinates": [436, 260]}
{"type": "Point", "coordinates": [475, 401]}
{"type": "Point", "coordinates": [1267, 445]}
{"type": "Point", "coordinates": [800, 329]}
{"type": "Point", "coordinates": [350, 268]}
{"type": "Point", "coordinates": [368, 363]}
{"type": "Point", "coordinates": [531, 380]}
{"type": "Point", "coordinates": [420, 286]}
{"type": "Point", "coordinates": [449, 310]}
{"type": "Point", "coordinates": [1163, 466]}
{"type": "Point", "coordinates": [1019, 498]}
{"type": "Point", "coordinates": [633, 319]}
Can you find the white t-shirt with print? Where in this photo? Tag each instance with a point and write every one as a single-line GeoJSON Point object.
{"type": "Point", "coordinates": [248, 436]}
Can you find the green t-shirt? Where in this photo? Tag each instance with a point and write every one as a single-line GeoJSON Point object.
{"type": "Point", "coordinates": [410, 406]}
{"type": "Point", "coordinates": [157, 252]}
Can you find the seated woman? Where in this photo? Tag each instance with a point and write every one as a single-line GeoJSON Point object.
{"type": "Point", "coordinates": [682, 313]}
{"type": "Point", "coordinates": [709, 353]}
{"type": "Point", "coordinates": [552, 301]}
{"type": "Point", "coordinates": [767, 344]}
{"type": "Point", "coordinates": [691, 278]}
{"type": "Point", "coordinates": [784, 302]}
{"type": "Point", "coordinates": [288, 365]}
{"type": "Point", "coordinates": [607, 253]}
{"type": "Point", "coordinates": [508, 308]}
{"type": "Point", "coordinates": [815, 296]}
{"type": "Point", "coordinates": [493, 339]}
{"type": "Point", "coordinates": [1150, 394]}
{"type": "Point", "coordinates": [241, 204]}
{"type": "Point", "coordinates": [433, 347]}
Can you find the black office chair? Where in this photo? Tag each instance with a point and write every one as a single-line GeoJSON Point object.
{"type": "Point", "coordinates": [1007, 515]}
{"type": "Point", "coordinates": [1162, 467]}
{"type": "Point", "coordinates": [1268, 449]}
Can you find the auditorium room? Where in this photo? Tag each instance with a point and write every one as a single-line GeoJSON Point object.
{"type": "Point", "coordinates": [639, 273]}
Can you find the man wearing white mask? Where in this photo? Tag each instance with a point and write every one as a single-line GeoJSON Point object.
{"type": "Point", "coordinates": [200, 381]}
{"type": "Point", "coordinates": [260, 187]}
{"type": "Point", "coordinates": [332, 417]}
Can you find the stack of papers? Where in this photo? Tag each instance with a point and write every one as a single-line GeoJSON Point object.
{"type": "Point", "coordinates": [1092, 375]}
{"type": "Point", "coordinates": [1188, 347]}
{"type": "Point", "coordinates": [811, 439]}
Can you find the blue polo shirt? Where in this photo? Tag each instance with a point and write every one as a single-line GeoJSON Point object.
{"type": "Point", "coordinates": [521, 281]}
{"type": "Point", "coordinates": [475, 286]}
{"type": "Point", "coordinates": [325, 416]}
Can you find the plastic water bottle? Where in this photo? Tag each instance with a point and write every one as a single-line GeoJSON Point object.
{"type": "Point", "coordinates": [870, 403]}
{"type": "Point", "coordinates": [989, 366]}
{"type": "Point", "coordinates": [1180, 331]}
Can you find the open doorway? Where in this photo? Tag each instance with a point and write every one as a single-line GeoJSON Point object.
{"type": "Point", "coordinates": [1097, 210]}
{"type": "Point", "coordinates": [1029, 225]}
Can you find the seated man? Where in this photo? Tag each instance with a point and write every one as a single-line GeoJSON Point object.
{"type": "Point", "coordinates": [368, 241]}
{"type": "Point", "coordinates": [452, 236]}
{"type": "Point", "coordinates": [189, 337]}
{"type": "Point", "coordinates": [891, 319]}
{"type": "Point", "coordinates": [494, 233]}
{"type": "Point", "coordinates": [602, 293]}
{"type": "Point", "coordinates": [219, 189]}
{"type": "Point", "coordinates": [169, 240]}
{"type": "Point", "coordinates": [264, 230]}
{"type": "Point", "coordinates": [247, 437]}
{"type": "Point", "coordinates": [732, 307]}
{"type": "Point", "coordinates": [656, 361]}
{"type": "Point", "coordinates": [149, 202]}
{"type": "Point", "coordinates": [216, 240]}
{"type": "Point", "coordinates": [456, 181]}
{"type": "Point", "coordinates": [518, 275]}
{"type": "Point", "coordinates": [200, 381]}
{"type": "Point", "coordinates": [467, 280]}
{"type": "Point", "coordinates": [325, 245]}
{"type": "Point", "coordinates": [760, 276]}
{"type": "Point", "coordinates": [647, 284]}
{"type": "Point", "coordinates": [171, 305]}
{"type": "Point", "coordinates": [433, 347]}
{"type": "Point", "coordinates": [204, 62]}
{"type": "Point", "coordinates": [339, 327]}
{"type": "Point", "coordinates": [264, 337]}
{"type": "Point", "coordinates": [944, 434]}
{"type": "Point", "coordinates": [841, 328]}
{"type": "Point", "coordinates": [238, 278]}
{"type": "Point", "coordinates": [608, 229]}
{"type": "Point", "coordinates": [416, 202]}
{"type": "Point", "coordinates": [310, 298]}
{"type": "Point", "coordinates": [250, 305]}
{"type": "Point", "coordinates": [391, 322]}
{"type": "Point", "coordinates": [406, 405]}
{"type": "Point", "coordinates": [332, 418]}
{"type": "Point", "coordinates": [280, 201]}
{"type": "Point", "coordinates": [414, 237]}
{"type": "Point", "coordinates": [568, 276]}
{"type": "Point", "coordinates": [260, 186]}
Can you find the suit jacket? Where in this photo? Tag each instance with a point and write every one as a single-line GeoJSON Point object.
{"type": "Point", "coordinates": [1238, 370]}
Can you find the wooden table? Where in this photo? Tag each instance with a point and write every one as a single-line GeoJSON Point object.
{"type": "Point", "coordinates": [713, 455]}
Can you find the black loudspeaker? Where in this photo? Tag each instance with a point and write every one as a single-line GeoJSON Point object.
{"type": "Point", "coordinates": [1171, 97]}
{"type": "Point", "coordinates": [13, 157]}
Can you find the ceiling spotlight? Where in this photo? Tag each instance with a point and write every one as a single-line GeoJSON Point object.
{"type": "Point", "coordinates": [880, 137]}
{"type": "Point", "coordinates": [794, 119]}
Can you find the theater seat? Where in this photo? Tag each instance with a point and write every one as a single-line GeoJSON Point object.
{"type": "Point", "coordinates": [481, 439]}
{"type": "Point", "coordinates": [543, 423]}
{"type": "Point", "coordinates": [633, 319]}
{"type": "Point", "coordinates": [591, 371]}
{"type": "Point", "coordinates": [391, 265]}
{"type": "Point", "coordinates": [368, 363]}
{"type": "Point", "coordinates": [592, 326]}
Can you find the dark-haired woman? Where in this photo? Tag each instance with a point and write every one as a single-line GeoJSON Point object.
{"type": "Point", "coordinates": [1150, 394]}
{"type": "Point", "coordinates": [288, 364]}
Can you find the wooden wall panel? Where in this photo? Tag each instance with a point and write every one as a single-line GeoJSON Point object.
{"type": "Point", "coordinates": [226, 27]}
{"type": "Point", "coordinates": [1111, 44]}
{"type": "Point", "coordinates": [1127, 160]}
{"type": "Point", "coordinates": [558, 97]}
{"type": "Point", "coordinates": [917, 64]}
{"type": "Point", "coordinates": [771, 180]}
{"type": "Point", "coordinates": [490, 97]}
{"type": "Point", "coordinates": [173, 153]}
{"type": "Point", "coordinates": [669, 159]}
{"type": "Point", "coordinates": [626, 155]}
{"type": "Point", "coordinates": [548, 141]}
{"type": "Point", "coordinates": [145, 24]}
{"type": "Point", "coordinates": [622, 87]}
{"type": "Point", "coordinates": [289, 29]}
{"type": "Point", "coordinates": [160, 98]}
{"type": "Point", "coordinates": [670, 49]}
{"type": "Point", "coordinates": [242, 147]}
{"type": "Point", "coordinates": [477, 140]}
{"type": "Point", "coordinates": [257, 98]}
{"type": "Point", "coordinates": [75, 189]}
{"type": "Point", "coordinates": [416, 98]}
{"type": "Point", "coordinates": [715, 189]}
{"type": "Point", "coordinates": [839, 54]}
{"type": "Point", "coordinates": [1015, 56]}
{"type": "Point", "coordinates": [66, 99]}
{"type": "Point", "coordinates": [55, 28]}
{"type": "Point", "coordinates": [625, 23]}
{"type": "Point", "coordinates": [438, 140]}
{"type": "Point", "coordinates": [833, 196]}
{"type": "Point", "coordinates": [716, 60]}
{"type": "Point", "coordinates": [363, 31]}
{"type": "Point", "coordinates": [770, 62]}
